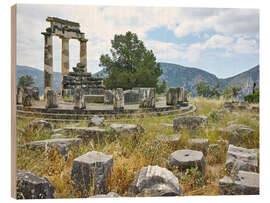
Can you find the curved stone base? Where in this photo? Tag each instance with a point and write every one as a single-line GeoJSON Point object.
{"type": "Point", "coordinates": [65, 113]}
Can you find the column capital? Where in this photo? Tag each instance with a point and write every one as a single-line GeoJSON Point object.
{"type": "Point", "coordinates": [46, 34]}
{"type": "Point", "coordinates": [64, 38]}
{"type": "Point", "coordinates": [83, 40]}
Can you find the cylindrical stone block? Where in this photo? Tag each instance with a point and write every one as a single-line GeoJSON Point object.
{"type": "Point", "coordinates": [83, 53]}
{"type": "Point", "coordinates": [118, 99]}
{"type": "Point", "coordinates": [65, 59]}
{"type": "Point", "coordinates": [48, 61]}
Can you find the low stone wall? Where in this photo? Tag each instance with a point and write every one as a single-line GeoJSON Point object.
{"type": "Point", "coordinates": [86, 91]}
{"type": "Point", "coordinates": [94, 98]}
{"type": "Point", "coordinates": [131, 96]}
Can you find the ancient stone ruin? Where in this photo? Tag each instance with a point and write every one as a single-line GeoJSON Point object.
{"type": "Point", "coordinates": [30, 186]}
{"type": "Point", "coordinates": [65, 30]}
{"type": "Point", "coordinates": [90, 171]}
{"type": "Point", "coordinates": [155, 181]}
{"type": "Point", "coordinates": [118, 99]}
{"type": "Point", "coordinates": [176, 96]}
{"type": "Point", "coordinates": [147, 97]}
{"type": "Point", "coordinates": [89, 84]}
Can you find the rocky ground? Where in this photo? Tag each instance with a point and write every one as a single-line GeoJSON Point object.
{"type": "Point", "coordinates": [214, 151]}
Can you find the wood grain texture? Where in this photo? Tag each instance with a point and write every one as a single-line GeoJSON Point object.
{"type": "Point", "coordinates": [13, 101]}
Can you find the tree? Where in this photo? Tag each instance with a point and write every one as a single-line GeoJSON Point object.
{"type": "Point", "coordinates": [231, 91]}
{"type": "Point", "coordinates": [130, 64]}
{"type": "Point", "coordinates": [254, 97]}
{"type": "Point", "coordinates": [26, 81]}
{"type": "Point", "coordinates": [161, 86]}
{"type": "Point", "coordinates": [204, 90]}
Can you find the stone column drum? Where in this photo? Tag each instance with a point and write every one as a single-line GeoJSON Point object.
{"type": "Point", "coordinates": [118, 99]}
{"type": "Point", "coordinates": [48, 60]}
{"type": "Point", "coordinates": [147, 97]}
{"type": "Point", "coordinates": [83, 53]}
{"type": "Point", "coordinates": [19, 95]}
{"type": "Point", "coordinates": [78, 99]}
{"type": "Point", "coordinates": [90, 172]}
{"type": "Point", "coordinates": [65, 59]}
{"type": "Point", "coordinates": [51, 99]}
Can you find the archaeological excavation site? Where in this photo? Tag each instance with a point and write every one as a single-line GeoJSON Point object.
{"type": "Point", "coordinates": [96, 138]}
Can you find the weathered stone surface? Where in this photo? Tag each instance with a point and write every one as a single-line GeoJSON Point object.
{"type": "Point", "coordinates": [109, 195]}
{"type": "Point", "coordinates": [62, 145]}
{"type": "Point", "coordinates": [199, 144]}
{"type": "Point", "coordinates": [246, 183]}
{"type": "Point", "coordinates": [26, 98]}
{"type": "Point", "coordinates": [96, 121]}
{"type": "Point", "coordinates": [186, 159]}
{"type": "Point", "coordinates": [86, 133]}
{"type": "Point", "coordinates": [30, 186]}
{"type": "Point", "coordinates": [94, 98]}
{"type": "Point", "coordinates": [118, 99]}
{"type": "Point", "coordinates": [108, 97]}
{"type": "Point", "coordinates": [236, 133]}
{"type": "Point", "coordinates": [48, 61]}
{"type": "Point", "coordinates": [127, 129]}
{"type": "Point", "coordinates": [83, 53]}
{"type": "Point", "coordinates": [35, 93]}
{"type": "Point", "coordinates": [51, 99]}
{"type": "Point", "coordinates": [147, 97]}
{"type": "Point", "coordinates": [174, 139]}
{"type": "Point", "coordinates": [176, 96]}
{"type": "Point", "coordinates": [239, 158]}
{"type": "Point", "coordinates": [19, 95]}
{"type": "Point", "coordinates": [223, 111]}
{"type": "Point", "coordinates": [92, 86]}
{"type": "Point", "coordinates": [41, 125]}
{"type": "Point", "coordinates": [131, 96]}
{"type": "Point", "coordinates": [255, 108]}
{"type": "Point", "coordinates": [155, 181]}
{"type": "Point", "coordinates": [189, 122]}
{"type": "Point", "coordinates": [79, 102]}
{"type": "Point", "coordinates": [91, 169]}
{"type": "Point", "coordinates": [92, 133]}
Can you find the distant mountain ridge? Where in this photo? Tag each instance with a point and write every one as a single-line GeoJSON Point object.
{"type": "Point", "coordinates": [175, 75]}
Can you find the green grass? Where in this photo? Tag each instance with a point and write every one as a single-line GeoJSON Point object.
{"type": "Point", "coordinates": [130, 155]}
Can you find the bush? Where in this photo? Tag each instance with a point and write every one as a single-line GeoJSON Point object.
{"type": "Point", "coordinates": [193, 178]}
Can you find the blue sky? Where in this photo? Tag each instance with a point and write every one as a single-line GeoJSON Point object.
{"type": "Point", "coordinates": [224, 42]}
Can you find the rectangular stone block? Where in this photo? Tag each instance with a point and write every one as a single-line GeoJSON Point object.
{"type": "Point", "coordinates": [90, 173]}
{"type": "Point", "coordinates": [147, 97]}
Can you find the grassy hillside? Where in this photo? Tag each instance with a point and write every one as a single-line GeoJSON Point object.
{"type": "Point", "coordinates": [131, 155]}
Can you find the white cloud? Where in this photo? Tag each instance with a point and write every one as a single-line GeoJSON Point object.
{"type": "Point", "coordinates": [218, 41]}
{"type": "Point", "coordinates": [225, 21]}
{"type": "Point", "coordinates": [231, 45]}
{"type": "Point", "coordinates": [236, 36]}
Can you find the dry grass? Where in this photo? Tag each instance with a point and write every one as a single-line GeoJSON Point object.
{"type": "Point", "coordinates": [131, 155]}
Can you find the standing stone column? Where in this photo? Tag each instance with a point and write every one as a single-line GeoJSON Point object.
{"type": "Point", "coordinates": [19, 95]}
{"type": "Point", "coordinates": [118, 99]}
{"type": "Point", "coordinates": [48, 61]}
{"type": "Point", "coordinates": [147, 97]}
{"type": "Point", "coordinates": [65, 59]}
{"type": "Point", "coordinates": [83, 53]}
{"type": "Point", "coordinates": [79, 101]}
{"type": "Point", "coordinates": [51, 99]}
